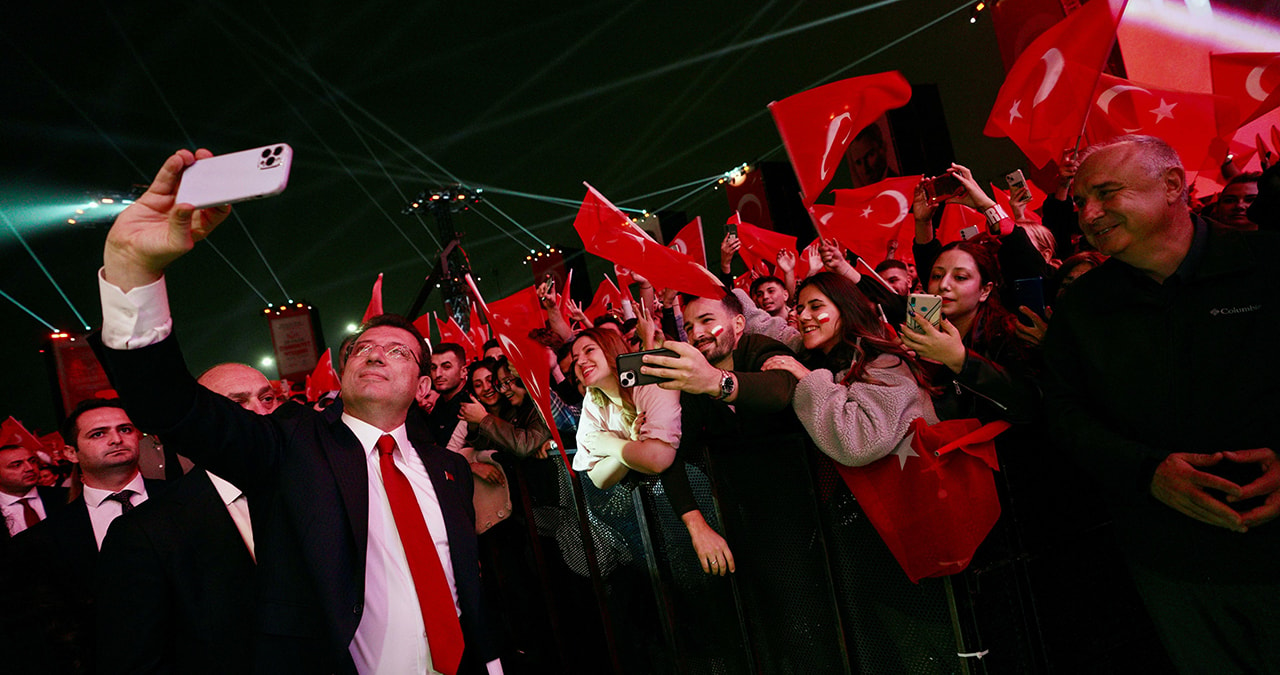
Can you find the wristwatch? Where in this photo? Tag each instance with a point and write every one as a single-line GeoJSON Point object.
{"type": "Point", "coordinates": [727, 384]}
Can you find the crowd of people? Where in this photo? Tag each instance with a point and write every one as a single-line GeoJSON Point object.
{"type": "Point", "coordinates": [366, 532]}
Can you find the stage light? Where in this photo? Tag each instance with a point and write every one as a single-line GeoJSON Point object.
{"type": "Point", "coordinates": [79, 212]}
{"type": "Point", "coordinates": [108, 200]}
{"type": "Point", "coordinates": [93, 205]}
{"type": "Point", "coordinates": [351, 328]}
{"type": "Point", "coordinates": [71, 221]}
{"type": "Point", "coordinates": [267, 362]}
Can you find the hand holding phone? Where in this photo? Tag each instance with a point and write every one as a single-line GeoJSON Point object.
{"type": "Point", "coordinates": [930, 306]}
{"type": "Point", "coordinates": [1018, 190]}
{"type": "Point", "coordinates": [236, 177]}
{"type": "Point", "coordinates": [628, 366]}
{"type": "Point", "coordinates": [941, 188]}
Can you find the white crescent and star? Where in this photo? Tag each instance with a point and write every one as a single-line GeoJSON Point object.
{"type": "Point", "coordinates": [1104, 99]}
{"type": "Point", "coordinates": [903, 207]}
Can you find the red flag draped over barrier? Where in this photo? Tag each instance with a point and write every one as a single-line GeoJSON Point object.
{"type": "Point", "coordinates": [760, 247]}
{"type": "Point", "coordinates": [935, 502]}
{"type": "Point", "coordinates": [1198, 126]}
{"type": "Point", "coordinates": [511, 319]}
{"type": "Point", "coordinates": [818, 125]}
{"type": "Point", "coordinates": [688, 241]}
{"type": "Point", "coordinates": [1252, 80]}
{"type": "Point", "coordinates": [375, 301]}
{"type": "Point", "coordinates": [324, 378]}
{"type": "Point", "coordinates": [608, 233]}
{"type": "Point", "coordinates": [1042, 104]}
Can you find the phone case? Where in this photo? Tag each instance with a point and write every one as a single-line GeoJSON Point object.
{"type": "Point", "coordinates": [928, 305]}
{"type": "Point", "coordinates": [629, 364]}
{"type": "Point", "coordinates": [236, 177]}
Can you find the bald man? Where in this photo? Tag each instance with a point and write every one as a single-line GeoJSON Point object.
{"type": "Point", "coordinates": [184, 566]}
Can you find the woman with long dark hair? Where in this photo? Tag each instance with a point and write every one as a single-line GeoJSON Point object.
{"type": "Point", "coordinates": [858, 389]}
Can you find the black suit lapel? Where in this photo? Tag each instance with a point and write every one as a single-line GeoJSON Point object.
{"type": "Point", "coordinates": [351, 471]}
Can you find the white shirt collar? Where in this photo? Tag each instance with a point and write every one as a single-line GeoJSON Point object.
{"type": "Point", "coordinates": [368, 434]}
{"type": "Point", "coordinates": [226, 491]}
{"type": "Point", "coordinates": [11, 500]}
{"type": "Point", "coordinates": [94, 496]}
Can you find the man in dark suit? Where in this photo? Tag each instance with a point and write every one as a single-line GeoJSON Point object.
{"type": "Point", "coordinates": [340, 588]}
{"type": "Point", "coordinates": [57, 558]}
{"type": "Point", "coordinates": [183, 566]}
{"type": "Point", "coordinates": [22, 501]}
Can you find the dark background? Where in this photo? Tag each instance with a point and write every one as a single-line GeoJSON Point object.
{"type": "Point", "coordinates": [381, 99]}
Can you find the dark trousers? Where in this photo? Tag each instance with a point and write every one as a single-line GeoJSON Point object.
{"type": "Point", "coordinates": [1214, 628]}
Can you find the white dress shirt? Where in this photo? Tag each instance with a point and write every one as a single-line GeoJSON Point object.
{"type": "Point", "coordinates": [102, 510]}
{"type": "Point", "coordinates": [238, 506]}
{"type": "Point", "coordinates": [391, 637]}
{"type": "Point", "coordinates": [11, 506]}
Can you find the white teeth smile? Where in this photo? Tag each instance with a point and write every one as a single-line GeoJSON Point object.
{"type": "Point", "coordinates": [1099, 233]}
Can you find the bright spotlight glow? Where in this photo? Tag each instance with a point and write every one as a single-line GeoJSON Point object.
{"type": "Point", "coordinates": [351, 328]}
{"type": "Point", "coordinates": [267, 362]}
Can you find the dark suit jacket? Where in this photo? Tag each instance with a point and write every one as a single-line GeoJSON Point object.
{"type": "Point", "coordinates": [306, 475]}
{"type": "Point", "coordinates": [55, 563]}
{"type": "Point", "coordinates": [175, 586]}
{"type": "Point", "coordinates": [54, 499]}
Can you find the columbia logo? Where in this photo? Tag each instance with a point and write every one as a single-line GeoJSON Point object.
{"type": "Point", "coordinates": [1228, 311]}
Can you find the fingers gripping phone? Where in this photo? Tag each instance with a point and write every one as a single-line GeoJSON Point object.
{"type": "Point", "coordinates": [236, 177]}
{"type": "Point", "coordinates": [941, 188]}
{"type": "Point", "coordinates": [930, 306]}
{"type": "Point", "coordinates": [1018, 182]}
{"type": "Point", "coordinates": [629, 364]}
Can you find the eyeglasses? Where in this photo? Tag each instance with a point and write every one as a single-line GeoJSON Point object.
{"type": "Point", "coordinates": [507, 383]}
{"type": "Point", "coordinates": [395, 352]}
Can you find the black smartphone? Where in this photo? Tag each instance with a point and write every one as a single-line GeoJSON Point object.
{"type": "Point", "coordinates": [941, 188]}
{"type": "Point", "coordinates": [1029, 293]}
{"type": "Point", "coordinates": [730, 228]}
{"type": "Point", "coordinates": [629, 364]}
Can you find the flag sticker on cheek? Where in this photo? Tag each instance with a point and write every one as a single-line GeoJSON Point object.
{"type": "Point", "coordinates": [824, 317]}
{"type": "Point", "coordinates": [717, 329]}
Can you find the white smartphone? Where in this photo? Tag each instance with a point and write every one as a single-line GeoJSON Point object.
{"type": "Point", "coordinates": [928, 305]}
{"type": "Point", "coordinates": [237, 177]}
{"type": "Point", "coordinates": [1017, 181]}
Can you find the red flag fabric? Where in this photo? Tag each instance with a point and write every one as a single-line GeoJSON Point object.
{"type": "Point", "coordinates": [956, 217]}
{"type": "Point", "coordinates": [13, 433]}
{"type": "Point", "coordinates": [744, 280]}
{"type": "Point", "coordinates": [323, 379]}
{"type": "Point", "coordinates": [607, 296]}
{"type": "Point", "coordinates": [375, 301]}
{"type": "Point", "coordinates": [1252, 80]}
{"type": "Point", "coordinates": [423, 324]}
{"type": "Point", "coordinates": [1042, 104]}
{"type": "Point", "coordinates": [877, 213]}
{"type": "Point", "coordinates": [624, 276]}
{"type": "Point", "coordinates": [1198, 126]}
{"type": "Point", "coordinates": [608, 233]}
{"type": "Point", "coordinates": [1002, 197]}
{"type": "Point", "coordinates": [478, 332]}
{"type": "Point", "coordinates": [760, 247]}
{"type": "Point", "coordinates": [933, 502]}
{"type": "Point", "coordinates": [688, 241]}
{"type": "Point", "coordinates": [511, 319]}
{"type": "Point", "coordinates": [809, 262]}
{"type": "Point", "coordinates": [818, 125]}
{"type": "Point", "coordinates": [849, 227]}
{"type": "Point", "coordinates": [450, 331]}
{"type": "Point", "coordinates": [53, 444]}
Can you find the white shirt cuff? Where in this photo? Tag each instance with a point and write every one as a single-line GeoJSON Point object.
{"type": "Point", "coordinates": [495, 667]}
{"type": "Point", "coordinates": [135, 319]}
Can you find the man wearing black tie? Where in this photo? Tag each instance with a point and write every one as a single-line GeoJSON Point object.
{"type": "Point", "coordinates": [364, 529]}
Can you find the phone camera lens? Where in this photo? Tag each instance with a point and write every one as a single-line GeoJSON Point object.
{"type": "Point", "coordinates": [266, 153]}
{"type": "Point", "coordinates": [270, 161]}
{"type": "Point", "coordinates": [279, 149]}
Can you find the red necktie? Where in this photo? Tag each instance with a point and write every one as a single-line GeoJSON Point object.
{"type": "Point", "coordinates": [444, 633]}
{"type": "Point", "coordinates": [28, 513]}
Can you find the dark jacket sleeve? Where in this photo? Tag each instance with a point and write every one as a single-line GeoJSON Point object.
{"type": "Point", "coordinates": [1019, 259]}
{"type": "Point", "coordinates": [1060, 218]}
{"type": "Point", "coordinates": [521, 439]}
{"type": "Point", "coordinates": [925, 255]}
{"type": "Point", "coordinates": [1011, 388]}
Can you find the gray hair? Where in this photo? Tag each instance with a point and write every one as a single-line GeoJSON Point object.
{"type": "Point", "coordinates": [1154, 153]}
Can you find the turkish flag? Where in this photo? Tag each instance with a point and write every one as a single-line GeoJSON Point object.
{"type": "Point", "coordinates": [323, 379]}
{"type": "Point", "coordinates": [13, 433]}
{"type": "Point", "coordinates": [375, 301]}
{"type": "Point", "coordinates": [450, 331]}
{"type": "Point", "coordinates": [1198, 126]}
{"type": "Point", "coordinates": [818, 125]}
{"type": "Point", "coordinates": [760, 247]}
{"type": "Point", "coordinates": [1252, 80]}
{"type": "Point", "coordinates": [809, 262]}
{"type": "Point", "coordinates": [478, 333]}
{"type": "Point", "coordinates": [956, 217]}
{"type": "Point", "coordinates": [1042, 104]}
{"type": "Point", "coordinates": [607, 297]}
{"type": "Point", "coordinates": [875, 209]}
{"type": "Point", "coordinates": [689, 242]}
{"type": "Point", "coordinates": [610, 234]}
{"type": "Point", "coordinates": [744, 280]}
{"type": "Point", "coordinates": [850, 228]}
{"type": "Point", "coordinates": [511, 319]}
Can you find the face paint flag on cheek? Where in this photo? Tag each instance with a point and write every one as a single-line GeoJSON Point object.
{"type": "Point", "coordinates": [717, 330]}
{"type": "Point", "coordinates": [824, 318]}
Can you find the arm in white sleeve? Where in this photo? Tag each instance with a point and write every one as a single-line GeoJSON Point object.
{"type": "Point", "coordinates": [135, 319]}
